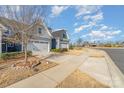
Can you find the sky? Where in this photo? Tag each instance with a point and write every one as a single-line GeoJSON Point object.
{"type": "Point", "coordinates": [91, 23]}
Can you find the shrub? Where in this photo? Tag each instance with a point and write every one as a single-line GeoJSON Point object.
{"type": "Point", "coordinates": [64, 50]}
{"type": "Point", "coordinates": [59, 50]}
{"type": "Point", "coordinates": [13, 55]}
{"type": "Point", "coordinates": [71, 47]}
{"type": "Point", "coordinates": [29, 53]}
{"type": "Point", "coordinates": [55, 50]}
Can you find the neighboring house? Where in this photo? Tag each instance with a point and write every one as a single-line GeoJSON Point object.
{"type": "Point", "coordinates": [60, 39]}
{"type": "Point", "coordinates": [93, 45]}
{"type": "Point", "coordinates": [42, 41]}
{"type": "Point", "coordinates": [6, 30]}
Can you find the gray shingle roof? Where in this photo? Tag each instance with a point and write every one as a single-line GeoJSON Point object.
{"type": "Point", "coordinates": [58, 33]}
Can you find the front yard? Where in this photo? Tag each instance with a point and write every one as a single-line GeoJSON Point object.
{"type": "Point", "coordinates": [10, 75]}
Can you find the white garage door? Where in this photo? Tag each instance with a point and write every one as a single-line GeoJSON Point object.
{"type": "Point", "coordinates": [36, 46]}
{"type": "Point", "coordinates": [63, 45]}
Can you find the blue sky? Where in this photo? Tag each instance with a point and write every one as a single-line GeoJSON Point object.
{"type": "Point", "coordinates": [91, 23]}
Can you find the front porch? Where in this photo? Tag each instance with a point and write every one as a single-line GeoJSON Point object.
{"type": "Point", "coordinates": [10, 47]}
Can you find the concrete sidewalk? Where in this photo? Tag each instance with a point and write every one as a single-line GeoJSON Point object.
{"type": "Point", "coordinates": [99, 67]}
{"type": "Point", "coordinates": [50, 78]}
{"type": "Point", "coordinates": [103, 69]}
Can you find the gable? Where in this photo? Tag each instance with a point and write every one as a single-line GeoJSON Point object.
{"type": "Point", "coordinates": [40, 30]}
{"type": "Point", "coordinates": [62, 34]}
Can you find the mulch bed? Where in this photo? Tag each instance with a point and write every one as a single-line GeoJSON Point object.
{"type": "Point", "coordinates": [10, 75]}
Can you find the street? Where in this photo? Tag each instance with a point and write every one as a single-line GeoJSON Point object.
{"type": "Point", "coordinates": [117, 55]}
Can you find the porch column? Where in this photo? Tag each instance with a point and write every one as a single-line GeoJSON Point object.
{"type": "Point", "coordinates": [67, 45]}
{"type": "Point", "coordinates": [58, 43]}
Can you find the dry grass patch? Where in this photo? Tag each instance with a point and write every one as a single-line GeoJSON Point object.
{"type": "Point", "coordinates": [96, 54]}
{"type": "Point", "coordinates": [76, 51]}
{"type": "Point", "coordinates": [80, 80]}
{"type": "Point", "coordinates": [9, 75]}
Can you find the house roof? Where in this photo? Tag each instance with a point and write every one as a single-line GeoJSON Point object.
{"type": "Point", "coordinates": [14, 24]}
{"type": "Point", "coordinates": [17, 26]}
{"type": "Point", "coordinates": [58, 33]}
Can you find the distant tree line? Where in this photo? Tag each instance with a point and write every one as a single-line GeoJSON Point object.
{"type": "Point", "coordinates": [83, 43]}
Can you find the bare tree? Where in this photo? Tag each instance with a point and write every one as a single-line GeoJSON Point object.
{"type": "Point", "coordinates": [28, 16]}
{"type": "Point", "coordinates": [79, 41]}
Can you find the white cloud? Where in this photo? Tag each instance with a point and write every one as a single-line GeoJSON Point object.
{"type": "Point", "coordinates": [75, 24]}
{"type": "Point", "coordinates": [83, 27]}
{"type": "Point", "coordinates": [103, 34]}
{"type": "Point", "coordinates": [97, 17]}
{"type": "Point", "coordinates": [79, 29]}
{"type": "Point", "coordinates": [86, 18]}
{"type": "Point", "coordinates": [82, 10]}
{"type": "Point", "coordinates": [104, 27]}
{"type": "Point", "coordinates": [56, 10]}
{"type": "Point", "coordinates": [92, 22]}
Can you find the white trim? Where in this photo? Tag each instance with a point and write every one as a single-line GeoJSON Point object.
{"type": "Point", "coordinates": [33, 40]}
{"type": "Point", "coordinates": [58, 30]}
{"type": "Point", "coordinates": [47, 29]}
{"type": "Point", "coordinates": [48, 46]}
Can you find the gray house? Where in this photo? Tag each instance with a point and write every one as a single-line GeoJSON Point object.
{"type": "Point", "coordinates": [60, 39]}
{"type": "Point", "coordinates": [42, 41]}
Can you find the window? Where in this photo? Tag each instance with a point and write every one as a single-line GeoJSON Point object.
{"type": "Point", "coordinates": [39, 30]}
{"type": "Point", "coordinates": [10, 45]}
{"type": "Point", "coordinates": [64, 36]}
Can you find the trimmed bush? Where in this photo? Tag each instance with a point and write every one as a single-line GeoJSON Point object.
{"type": "Point", "coordinates": [64, 50]}
{"type": "Point", "coordinates": [13, 55]}
{"type": "Point", "coordinates": [71, 47]}
{"type": "Point", "coordinates": [29, 53]}
{"type": "Point", "coordinates": [59, 50]}
{"type": "Point", "coordinates": [56, 50]}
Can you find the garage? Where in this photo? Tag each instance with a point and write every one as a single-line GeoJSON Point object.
{"type": "Point", "coordinates": [63, 45]}
{"type": "Point", "coordinates": [38, 47]}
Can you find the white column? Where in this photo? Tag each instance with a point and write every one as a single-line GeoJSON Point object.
{"type": "Point", "coordinates": [67, 45]}
{"type": "Point", "coordinates": [58, 43]}
{"type": "Point", "coordinates": [0, 41]}
{"type": "Point", "coordinates": [49, 43]}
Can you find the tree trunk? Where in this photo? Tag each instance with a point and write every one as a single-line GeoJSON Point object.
{"type": "Point", "coordinates": [26, 57]}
